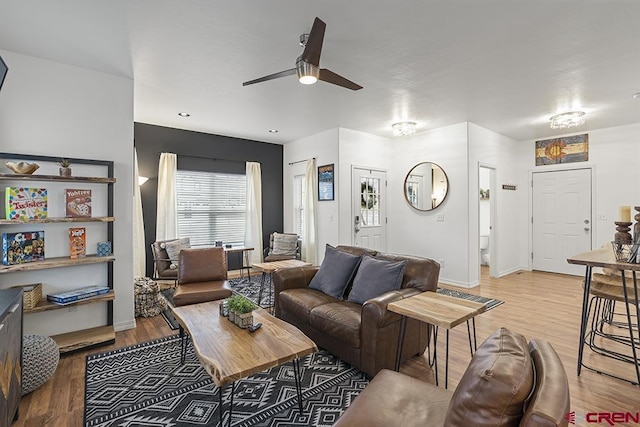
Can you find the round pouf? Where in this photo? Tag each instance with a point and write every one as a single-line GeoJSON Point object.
{"type": "Point", "coordinates": [40, 357]}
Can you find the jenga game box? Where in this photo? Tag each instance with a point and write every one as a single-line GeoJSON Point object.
{"type": "Point", "coordinates": [77, 242]}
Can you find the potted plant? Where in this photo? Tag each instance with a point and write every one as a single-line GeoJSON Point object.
{"type": "Point", "coordinates": [65, 167]}
{"type": "Point", "coordinates": [240, 310]}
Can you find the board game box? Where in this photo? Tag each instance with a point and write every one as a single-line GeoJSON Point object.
{"type": "Point", "coordinates": [24, 203]}
{"type": "Point", "coordinates": [77, 203]}
{"type": "Point", "coordinates": [77, 294]}
{"type": "Point", "coordinates": [23, 247]}
{"type": "Point", "coordinates": [77, 242]}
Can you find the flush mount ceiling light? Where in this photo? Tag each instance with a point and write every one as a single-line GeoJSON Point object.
{"type": "Point", "coordinates": [567, 120]}
{"type": "Point", "coordinates": [183, 114]}
{"type": "Point", "coordinates": [403, 128]}
{"type": "Point", "coordinates": [273, 130]}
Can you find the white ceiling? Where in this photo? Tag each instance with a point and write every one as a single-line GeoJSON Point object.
{"type": "Point", "coordinates": [506, 65]}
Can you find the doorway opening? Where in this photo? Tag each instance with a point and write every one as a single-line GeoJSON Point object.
{"type": "Point", "coordinates": [488, 254]}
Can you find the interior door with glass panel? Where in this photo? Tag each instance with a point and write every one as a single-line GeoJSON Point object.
{"type": "Point", "coordinates": [369, 213]}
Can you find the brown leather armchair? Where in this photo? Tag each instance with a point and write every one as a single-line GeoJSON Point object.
{"type": "Point", "coordinates": [202, 276]}
{"type": "Point", "coordinates": [507, 383]}
{"type": "Point", "coordinates": [163, 267]}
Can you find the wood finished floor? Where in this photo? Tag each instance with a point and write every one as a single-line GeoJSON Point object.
{"type": "Point", "coordinates": [538, 305]}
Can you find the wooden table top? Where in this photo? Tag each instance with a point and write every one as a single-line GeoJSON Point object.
{"type": "Point", "coordinates": [269, 267]}
{"type": "Point", "coordinates": [437, 309]}
{"type": "Point", "coordinates": [602, 257]}
{"type": "Point", "coordinates": [230, 353]}
{"type": "Point", "coordinates": [238, 249]}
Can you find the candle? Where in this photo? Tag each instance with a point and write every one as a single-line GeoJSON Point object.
{"type": "Point", "coordinates": [625, 213]}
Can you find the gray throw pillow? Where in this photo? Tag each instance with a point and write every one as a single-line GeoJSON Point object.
{"type": "Point", "coordinates": [173, 248]}
{"type": "Point", "coordinates": [284, 244]}
{"type": "Point", "coordinates": [375, 277]}
{"type": "Point", "coordinates": [335, 273]}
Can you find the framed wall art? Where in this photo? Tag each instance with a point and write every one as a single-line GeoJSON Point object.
{"type": "Point", "coordinates": [568, 149]}
{"type": "Point", "coordinates": [325, 182]}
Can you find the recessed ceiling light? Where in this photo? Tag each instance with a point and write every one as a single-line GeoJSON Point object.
{"type": "Point", "coordinates": [273, 130]}
{"type": "Point", "coordinates": [636, 95]}
{"type": "Point", "coordinates": [184, 114]}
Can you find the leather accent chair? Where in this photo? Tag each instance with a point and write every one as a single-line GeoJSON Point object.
{"type": "Point", "coordinates": [507, 383]}
{"type": "Point", "coordinates": [202, 276]}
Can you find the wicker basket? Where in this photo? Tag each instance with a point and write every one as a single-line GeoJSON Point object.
{"type": "Point", "coordinates": [31, 295]}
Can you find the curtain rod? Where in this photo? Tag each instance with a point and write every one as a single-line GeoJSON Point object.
{"type": "Point", "coordinates": [300, 161]}
{"type": "Point", "coordinates": [212, 158]}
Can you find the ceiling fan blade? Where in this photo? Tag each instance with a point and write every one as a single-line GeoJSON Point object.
{"type": "Point", "coordinates": [313, 48]}
{"type": "Point", "coordinates": [331, 77]}
{"type": "Point", "coordinates": [271, 77]}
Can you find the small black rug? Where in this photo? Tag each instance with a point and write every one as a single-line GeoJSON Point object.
{"type": "Point", "coordinates": [489, 302]}
{"type": "Point", "coordinates": [242, 286]}
{"type": "Point", "coordinates": [146, 385]}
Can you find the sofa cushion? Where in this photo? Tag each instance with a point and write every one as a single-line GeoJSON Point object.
{"type": "Point", "coordinates": [376, 277]}
{"type": "Point", "coordinates": [300, 301]}
{"type": "Point", "coordinates": [395, 399]}
{"type": "Point", "coordinates": [340, 320]}
{"type": "Point", "coordinates": [495, 385]}
{"type": "Point", "coordinates": [335, 273]}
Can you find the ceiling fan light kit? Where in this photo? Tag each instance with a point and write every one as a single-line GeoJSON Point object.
{"type": "Point", "coordinates": [567, 120]}
{"type": "Point", "coordinates": [308, 64]}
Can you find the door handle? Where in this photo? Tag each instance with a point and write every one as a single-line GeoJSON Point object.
{"type": "Point", "coordinates": [586, 229]}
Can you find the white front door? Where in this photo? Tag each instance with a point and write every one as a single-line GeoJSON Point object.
{"type": "Point", "coordinates": [369, 219]}
{"type": "Point", "coordinates": [562, 220]}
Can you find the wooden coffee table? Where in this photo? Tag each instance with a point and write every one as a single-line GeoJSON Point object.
{"type": "Point", "coordinates": [229, 353]}
{"type": "Point", "coordinates": [267, 268]}
{"type": "Point", "coordinates": [437, 310]}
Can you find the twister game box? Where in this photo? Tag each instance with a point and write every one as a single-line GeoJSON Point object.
{"type": "Point", "coordinates": [22, 247]}
{"type": "Point", "coordinates": [24, 203]}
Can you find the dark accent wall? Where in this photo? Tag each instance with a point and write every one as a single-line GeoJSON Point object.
{"type": "Point", "coordinates": [207, 150]}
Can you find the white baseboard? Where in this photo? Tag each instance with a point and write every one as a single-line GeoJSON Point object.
{"type": "Point", "coordinates": [459, 284]}
{"type": "Point", "coordinates": [512, 270]}
{"type": "Point", "coordinates": [122, 326]}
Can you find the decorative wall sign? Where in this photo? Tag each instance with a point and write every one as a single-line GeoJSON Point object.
{"type": "Point", "coordinates": [511, 187]}
{"type": "Point", "coordinates": [568, 149]}
{"type": "Point", "coordinates": [325, 182]}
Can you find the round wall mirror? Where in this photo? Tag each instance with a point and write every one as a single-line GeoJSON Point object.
{"type": "Point", "coordinates": [426, 186]}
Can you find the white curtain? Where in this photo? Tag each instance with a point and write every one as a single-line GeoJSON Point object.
{"type": "Point", "coordinates": [310, 207]}
{"type": "Point", "coordinates": [167, 216]}
{"type": "Point", "coordinates": [253, 219]}
{"type": "Point", "coordinates": [139, 254]}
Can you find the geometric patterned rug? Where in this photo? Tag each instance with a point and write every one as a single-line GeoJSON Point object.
{"type": "Point", "coordinates": [146, 385]}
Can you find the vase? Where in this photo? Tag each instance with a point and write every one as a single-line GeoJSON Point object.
{"type": "Point", "coordinates": [244, 320]}
{"type": "Point", "coordinates": [65, 171]}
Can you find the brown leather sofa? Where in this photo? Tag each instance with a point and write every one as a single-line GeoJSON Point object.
{"type": "Point", "coordinates": [507, 383]}
{"type": "Point", "coordinates": [365, 336]}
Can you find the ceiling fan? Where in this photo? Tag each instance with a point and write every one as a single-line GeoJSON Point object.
{"type": "Point", "coordinates": [308, 64]}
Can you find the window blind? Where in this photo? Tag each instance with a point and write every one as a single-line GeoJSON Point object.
{"type": "Point", "coordinates": [211, 206]}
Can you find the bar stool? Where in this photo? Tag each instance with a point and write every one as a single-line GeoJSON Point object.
{"type": "Point", "coordinates": [606, 291]}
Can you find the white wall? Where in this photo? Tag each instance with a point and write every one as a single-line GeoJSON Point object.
{"type": "Point", "coordinates": [324, 147]}
{"type": "Point", "coordinates": [419, 233]}
{"type": "Point", "coordinates": [52, 109]}
{"type": "Point", "coordinates": [614, 154]}
{"type": "Point", "coordinates": [510, 230]}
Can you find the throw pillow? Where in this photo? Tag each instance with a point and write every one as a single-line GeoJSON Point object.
{"type": "Point", "coordinates": [375, 277]}
{"type": "Point", "coordinates": [284, 244]}
{"type": "Point", "coordinates": [173, 248]}
{"type": "Point", "coordinates": [495, 385]}
{"type": "Point", "coordinates": [335, 273]}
